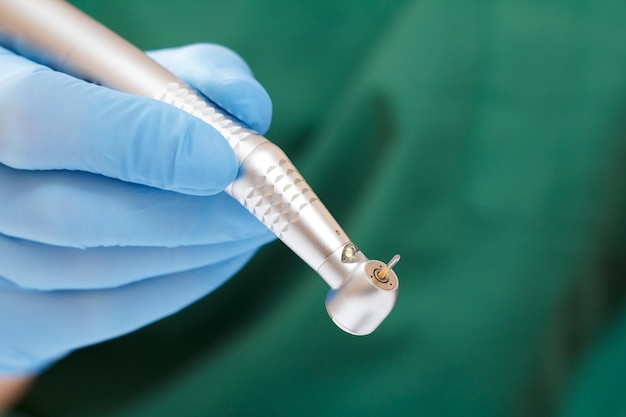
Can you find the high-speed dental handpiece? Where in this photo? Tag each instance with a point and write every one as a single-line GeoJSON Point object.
{"type": "Point", "coordinates": [363, 292]}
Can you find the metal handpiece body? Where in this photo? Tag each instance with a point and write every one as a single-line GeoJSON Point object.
{"type": "Point", "coordinates": [269, 186]}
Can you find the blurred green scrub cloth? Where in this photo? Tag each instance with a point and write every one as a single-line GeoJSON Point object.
{"type": "Point", "coordinates": [483, 141]}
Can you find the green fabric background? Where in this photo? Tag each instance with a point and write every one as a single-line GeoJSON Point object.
{"type": "Point", "coordinates": [483, 141]}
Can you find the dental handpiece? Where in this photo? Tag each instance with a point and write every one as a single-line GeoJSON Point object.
{"type": "Point", "coordinates": [362, 291]}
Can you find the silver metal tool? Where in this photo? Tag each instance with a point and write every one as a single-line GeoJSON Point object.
{"type": "Point", "coordinates": [363, 292]}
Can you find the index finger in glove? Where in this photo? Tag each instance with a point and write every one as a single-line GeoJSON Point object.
{"type": "Point", "coordinates": [49, 120]}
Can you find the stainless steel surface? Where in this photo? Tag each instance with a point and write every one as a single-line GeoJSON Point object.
{"type": "Point", "coordinates": [270, 187]}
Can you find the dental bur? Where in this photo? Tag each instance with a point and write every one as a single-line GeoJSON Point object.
{"type": "Point", "coordinates": [363, 291]}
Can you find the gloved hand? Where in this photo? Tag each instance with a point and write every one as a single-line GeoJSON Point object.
{"type": "Point", "coordinates": [112, 211]}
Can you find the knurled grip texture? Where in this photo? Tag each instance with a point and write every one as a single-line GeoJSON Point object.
{"type": "Point", "coordinates": [269, 185]}
{"type": "Point", "coordinates": [274, 194]}
{"type": "Point", "coordinates": [241, 139]}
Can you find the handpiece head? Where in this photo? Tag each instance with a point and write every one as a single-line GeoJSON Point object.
{"type": "Point", "coordinates": [365, 299]}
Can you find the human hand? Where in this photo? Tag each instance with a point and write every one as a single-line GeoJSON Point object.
{"type": "Point", "coordinates": [113, 213]}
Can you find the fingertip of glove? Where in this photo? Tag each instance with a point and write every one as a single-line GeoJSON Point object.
{"type": "Point", "coordinates": [247, 100]}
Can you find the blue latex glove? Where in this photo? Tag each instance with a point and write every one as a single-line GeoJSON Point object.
{"type": "Point", "coordinates": [112, 211]}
